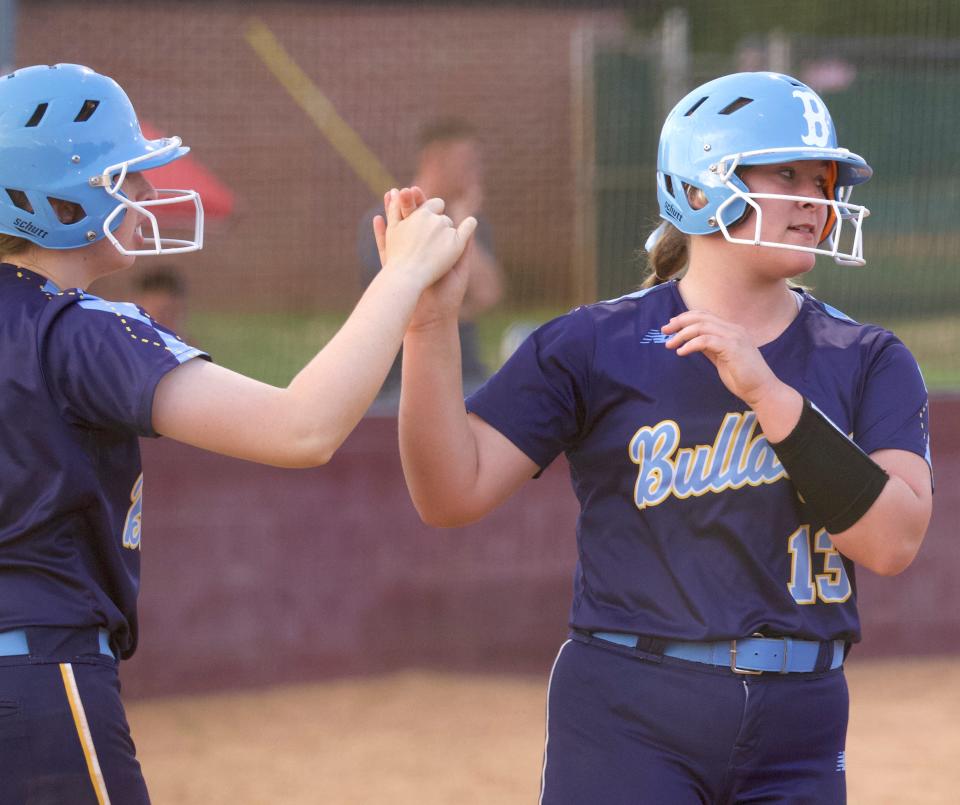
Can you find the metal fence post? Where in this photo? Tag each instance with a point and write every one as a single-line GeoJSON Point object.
{"type": "Point", "coordinates": [8, 17]}
{"type": "Point", "coordinates": [674, 58]}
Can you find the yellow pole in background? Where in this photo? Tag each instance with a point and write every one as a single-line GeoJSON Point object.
{"type": "Point", "coordinates": [345, 141]}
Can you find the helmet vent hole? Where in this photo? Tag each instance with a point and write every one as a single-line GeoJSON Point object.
{"type": "Point", "coordinates": [668, 182]}
{"type": "Point", "coordinates": [696, 106]}
{"type": "Point", "coordinates": [37, 115]}
{"type": "Point", "coordinates": [20, 200]}
{"type": "Point", "coordinates": [67, 212]}
{"type": "Point", "coordinates": [86, 111]}
{"type": "Point", "coordinates": [739, 103]}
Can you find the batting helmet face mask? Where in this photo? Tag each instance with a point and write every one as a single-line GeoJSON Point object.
{"type": "Point", "coordinates": [70, 134]}
{"type": "Point", "coordinates": [748, 119]}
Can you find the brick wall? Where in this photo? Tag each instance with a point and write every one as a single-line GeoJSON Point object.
{"type": "Point", "coordinates": [387, 69]}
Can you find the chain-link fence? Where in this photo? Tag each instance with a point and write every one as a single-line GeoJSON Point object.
{"type": "Point", "coordinates": [306, 112]}
{"type": "Point", "coordinates": [893, 100]}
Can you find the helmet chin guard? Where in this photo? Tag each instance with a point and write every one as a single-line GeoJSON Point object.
{"type": "Point", "coordinates": [71, 135]}
{"type": "Point", "coordinates": [112, 179]}
{"type": "Point", "coordinates": [842, 210]}
{"type": "Point", "coordinates": [748, 119]}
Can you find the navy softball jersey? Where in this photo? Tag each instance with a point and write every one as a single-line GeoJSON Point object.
{"type": "Point", "coordinates": [689, 527]}
{"type": "Point", "coordinates": [78, 374]}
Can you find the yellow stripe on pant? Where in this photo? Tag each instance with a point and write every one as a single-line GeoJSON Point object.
{"type": "Point", "coordinates": [83, 732]}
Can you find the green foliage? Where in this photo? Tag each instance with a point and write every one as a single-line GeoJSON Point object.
{"type": "Point", "coordinates": [271, 347]}
{"type": "Point", "coordinates": [717, 27]}
{"type": "Point", "coordinates": [935, 341]}
{"type": "Point", "coordinates": [274, 347]}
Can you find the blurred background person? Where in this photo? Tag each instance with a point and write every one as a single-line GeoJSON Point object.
{"type": "Point", "coordinates": [162, 292]}
{"type": "Point", "coordinates": [449, 165]}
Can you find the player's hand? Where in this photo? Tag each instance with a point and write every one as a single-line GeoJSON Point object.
{"type": "Point", "coordinates": [425, 243]}
{"type": "Point", "coordinates": [443, 300]}
{"type": "Point", "coordinates": [410, 199]}
{"type": "Point", "coordinates": [728, 346]}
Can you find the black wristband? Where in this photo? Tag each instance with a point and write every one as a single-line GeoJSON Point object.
{"type": "Point", "coordinates": [836, 479]}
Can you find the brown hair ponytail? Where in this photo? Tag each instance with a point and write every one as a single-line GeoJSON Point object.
{"type": "Point", "coordinates": [668, 256]}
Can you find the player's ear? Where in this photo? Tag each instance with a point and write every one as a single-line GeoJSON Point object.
{"type": "Point", "coordinates": [67, 212]}
{"type": "Point", "coordinates": [695, 196]}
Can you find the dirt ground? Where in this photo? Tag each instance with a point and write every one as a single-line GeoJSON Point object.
{"type": "Point", "coordinates": [423, 738]}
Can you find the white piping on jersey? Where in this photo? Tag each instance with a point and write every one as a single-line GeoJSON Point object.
{"type": "Point", "coordinates": [83, 732]}
{"type": "Point", "coordinates": [546, 728]}
{"type": "Point", "coordinates": [636, 294]}
{"type": "Point", "coordinates": [644, 291]}
{"type": "Point", "coordinates": [837, 314]}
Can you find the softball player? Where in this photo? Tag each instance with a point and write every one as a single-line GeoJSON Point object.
{"type": "Point", "coordinates": [736, 446]}
{"type": "Point", "coordinates": [83, 377]}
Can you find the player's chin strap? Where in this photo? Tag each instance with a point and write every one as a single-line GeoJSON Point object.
{"type": "Point", "coordinates": [165, 197]}
{"type": "Point", "coordinates": [835, 478]}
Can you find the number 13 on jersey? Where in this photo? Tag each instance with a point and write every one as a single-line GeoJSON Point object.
{"type": "Point", "coordinates": [832, 586]}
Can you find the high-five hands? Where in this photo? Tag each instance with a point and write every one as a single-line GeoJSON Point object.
{"type": "Point", "coordinates": [417, 235]}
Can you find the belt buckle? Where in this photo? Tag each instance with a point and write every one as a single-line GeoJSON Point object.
{"type": "Point", "coordinates": [744, 671]}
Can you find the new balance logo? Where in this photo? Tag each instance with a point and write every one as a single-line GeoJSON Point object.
{"type": "Point", "coordinates": [841, 761]}
{"type": "Point", "coordinates": [654, 337]}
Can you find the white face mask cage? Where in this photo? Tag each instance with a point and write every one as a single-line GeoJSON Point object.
{"type": "Point", "coordinates": [842, 208]}
{"type": "Point", "coordinates": [112, 184]}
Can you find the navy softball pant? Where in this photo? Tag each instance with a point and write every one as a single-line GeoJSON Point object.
{"type": "Point", "coordinates": [64, 738]}
{"type": "Point", "coordinates": [625, 728]}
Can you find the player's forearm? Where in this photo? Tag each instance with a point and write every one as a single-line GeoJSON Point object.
{"type": "Point", "coordinates": [329, 396]}
{"type": "Point", "coordinates": [418, 247]}
{"type": "Point", "coordinates": [875, 517]}
{"type": "Point", "coordinates": [887, 538]}
{"type": "Point", "coordinates": [778, 410]}
{"type": "Point", "coordinates": [437, 447]}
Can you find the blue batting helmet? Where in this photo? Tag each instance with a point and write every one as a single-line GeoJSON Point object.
{"type": "Point", "coordinates": [68, 133]}
{"type": "Point", "coordinates": [751, 119]}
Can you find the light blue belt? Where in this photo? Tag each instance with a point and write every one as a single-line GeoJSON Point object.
{"type": "Point", "coordinates": [14, 643]}
{"type": "Point", "coordinates": [749, 655]}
